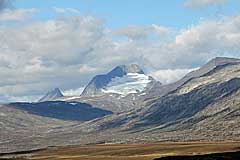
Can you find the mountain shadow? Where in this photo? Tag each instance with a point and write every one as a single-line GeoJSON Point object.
{"type": "Point", "coordinates": [72, 111]}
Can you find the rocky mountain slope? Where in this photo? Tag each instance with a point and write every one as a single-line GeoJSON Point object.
{"type": "Point", "coordinates": [16, 126]}
{"type": "Point", "coordinates": [52, 95]}
{"type": "Point", "coordinates": [212, 64]}
{"type": "Point", "coordinates": [197, 93]}
{"type": "Point", "coordinates": [120, 90]}
{"type": "Point", "coordinates": [204, 105]}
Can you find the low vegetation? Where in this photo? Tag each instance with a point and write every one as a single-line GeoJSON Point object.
{"type": "Point", "coordinates": [129, 151]}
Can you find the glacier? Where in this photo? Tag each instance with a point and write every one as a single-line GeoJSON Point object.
{"type": "Point", "coordinates": [129, 83]}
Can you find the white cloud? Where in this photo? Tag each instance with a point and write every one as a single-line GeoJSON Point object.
{"type": "Point", "coordinates": [142, 32]}
{"type": "Point", "coordinates": [203, 3]}
{"type": "Point", "coordinates": [170, 75]}
{"type": "Point", "coordinates": [67, 52]}
{"type": "Point", "coordinates": [74, 92]}
{"type": "Point", "coordinates": [73, 10]}
{"type": "Point", "coordinates": [160, 30]}
{"type": "Point", "coordinates": [59, 10]}
{"type": "Point", "coordinates": [16, 14]}
{"type": "Point", "coordinates": [134, 32]}
{"type": "Point", "coordinates": [66, 10]}
{"type": "Point", "coordinates": [22, 98]}
{"type": "Point", "coordinates": [85, 69]}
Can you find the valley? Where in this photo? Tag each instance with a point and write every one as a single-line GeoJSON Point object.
{"type": "Point", "coordinates": [120, 80]}
{"type": "Point", "coordinates": [147, 120]}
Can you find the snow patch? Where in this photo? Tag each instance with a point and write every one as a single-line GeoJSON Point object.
{"type": "Point", "coordinates": [69, 98]}
{"type": "Point", "coordinates": [130, 83]}
{"type": "Point", "coordinates": [74, 104]}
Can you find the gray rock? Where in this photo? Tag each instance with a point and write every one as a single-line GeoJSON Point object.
{"type": "Point", "coordinates": [52, 95]}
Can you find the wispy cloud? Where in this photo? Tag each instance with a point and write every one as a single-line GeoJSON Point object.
{"type": "Point", "coordinates": [170, 75]}
{"type": "Point", "coordinates": [66, 10]}
{"type": "Point", "coordinates": [16, 14]}
{"type": "Point", "coordinates": [195, 4]}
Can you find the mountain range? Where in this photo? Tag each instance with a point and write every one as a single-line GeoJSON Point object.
{"type": "Point", "coordinates": [116, 91]}
{"type": "Point", "coordinates": [128, 106]}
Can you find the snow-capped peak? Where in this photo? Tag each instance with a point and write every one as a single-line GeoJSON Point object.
{"type": "Point", "coordinates": [123, 80]}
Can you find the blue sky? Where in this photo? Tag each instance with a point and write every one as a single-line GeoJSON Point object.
{"type": "Point", "coordinates": [46, 44]}
{"type": "Point", "coordinates": [135, 12]}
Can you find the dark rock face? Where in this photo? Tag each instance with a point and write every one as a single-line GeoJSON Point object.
{"type": "Point", "coordinates": [74, 111]}
{"type": "Point", "coordinates": [122, 70]}
{"type": "Point", "coordinates": [52, 95]}
{"type": "Point", "coordinates": [100, 81]}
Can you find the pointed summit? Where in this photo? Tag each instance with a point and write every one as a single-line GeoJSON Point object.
{"type": "Point", "coordinates": [123, 79]}
{"type": "Point", "coordinates": [52, 95]}
{"type": "Point", "coordinates": [125, 69]}
{"type": "Point", "coordinates": [132, 68]}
